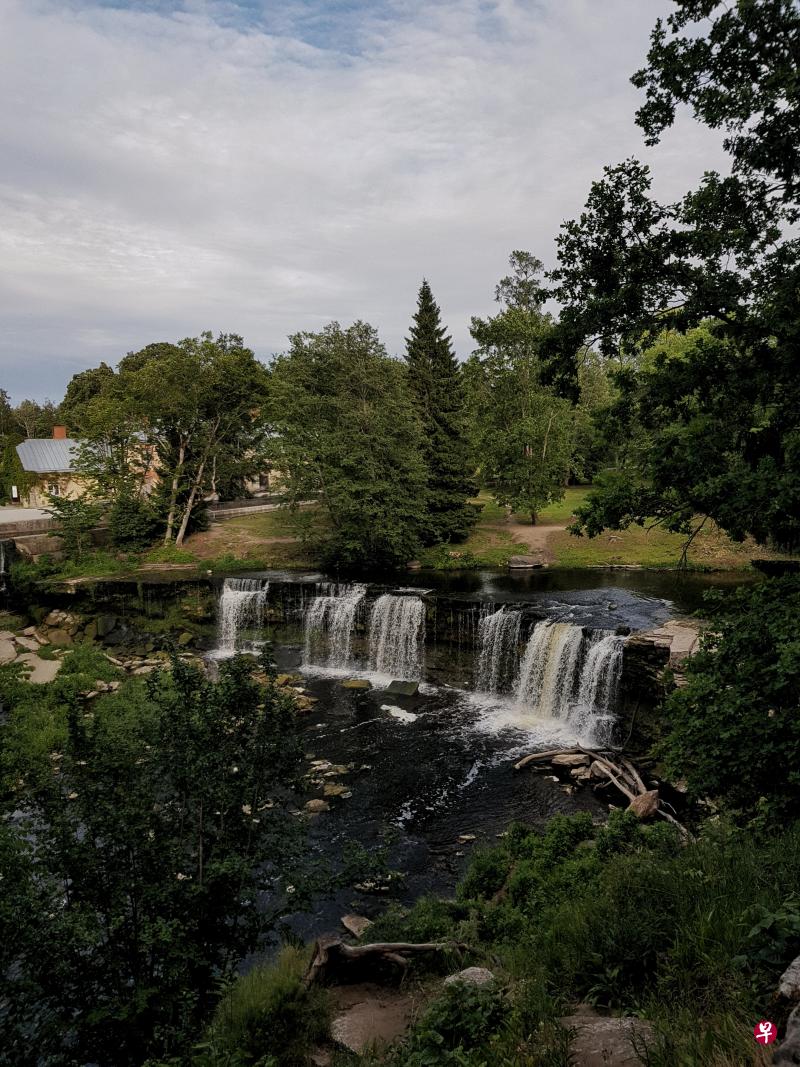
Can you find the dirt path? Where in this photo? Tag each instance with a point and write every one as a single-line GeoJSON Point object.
{"type": "Point", "coordinates": [536, 538]}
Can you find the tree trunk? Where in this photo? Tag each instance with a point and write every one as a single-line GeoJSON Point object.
{"type": "Point", "coordinates": [173, 496]}
{"type": "Point", "coordinates": [189, 505]}
{"type": "Point", "coordinates": [533, 518]}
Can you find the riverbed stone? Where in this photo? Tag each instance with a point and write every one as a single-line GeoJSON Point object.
{"type": "Point", "coordinates": [355, 683]}
{"type": "Point", "coordinates": [789, 985]}
{"type": "Point", "coordinates": [646, 805]}
{"type": "Point", "coordinates": [403, 688]}
{"type": "Point", "coordinates": [334, 789]}
{"type": "Point", "coordinates": [471, 976]}
{"type": "Point", "coordinates": [8, 651]}
{"type": "Point", "coordinates": [357, 925]}
{"type": "Point", "coordinates": [571, 759]}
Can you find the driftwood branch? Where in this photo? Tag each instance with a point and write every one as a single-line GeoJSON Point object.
{"type": "Point", "coordinates": [333, 954]}
{"type": "Point", "coordinates": [622, 774]}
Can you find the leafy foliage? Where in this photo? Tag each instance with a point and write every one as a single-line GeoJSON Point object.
{"type": "Point", "coordinates": [735, 721]}
{"type": "Point", "coordinates": [720, 425]}
{"type": "Point", "coordinates": [624, 916]}
{"type": "Point", "coordinates": [159, 820]}
{"type": "Point", "coordinates": [76, 520]}
{"type": "Point", "coordinates": [346, 434]}
{"type": "Point", "coordinates": [271, 1012]}
{"type": "Point", "coordinates": [525, 431]}
{"type": "Point", "coordinates": [434, 377]}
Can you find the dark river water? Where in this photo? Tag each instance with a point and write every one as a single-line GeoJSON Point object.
{"type": "Point", "coordinates": [428, 769]}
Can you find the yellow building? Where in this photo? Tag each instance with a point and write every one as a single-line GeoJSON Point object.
{"type": "Point", "coordinates": [49, 464]}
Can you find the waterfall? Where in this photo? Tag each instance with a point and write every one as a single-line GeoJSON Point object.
{"type": "Point", "coordinates": [548, 669]}
{"type": "Point", "coordinates": [396, 636]}
{"type": "Point", "coordinates": [498, 642]}
{"type": "Point", "coordinates": [593, 709]}
{"type": "Point", "coordinates": [241, 605]}
{"type": "Point", "coordinates": [566, 675]}
{"type": "Point", "coordinates": [329, 622]}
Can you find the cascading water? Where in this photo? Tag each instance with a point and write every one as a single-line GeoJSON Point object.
{"type": "Point", "coordinates": [241, 606]}
{"type": "Point", "coordinates": [329, 623]}
{"type": "Point", "coordinates": [396, 636]}
{"type": "Point", "coordinates": [498, 641]}
{"type": "Point", "coordinates": [567, 675]}
{"type": "Point", "coordinates": [598, 685]}
{"type": "Point", "coordinates": [548, 669]}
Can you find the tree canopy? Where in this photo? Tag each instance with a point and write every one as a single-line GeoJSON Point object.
{"type": "Point", "coordinates": [436, 385]}
{"type": "Point", "coordinates": [723, 422]}
{"type": "Point", "coordinates": [346, 435]}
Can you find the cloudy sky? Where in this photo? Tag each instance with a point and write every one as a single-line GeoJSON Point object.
{"type": "Point", "coordinates": [263, 167]}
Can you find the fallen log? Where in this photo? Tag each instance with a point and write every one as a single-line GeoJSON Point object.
{"type": "Point", "coordinates": [622, 774]}
{"type": "Point", "coordinates": [332, 954]}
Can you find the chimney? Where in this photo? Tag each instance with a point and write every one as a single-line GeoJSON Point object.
{"type": "Point", "coordinates": [59, 433]}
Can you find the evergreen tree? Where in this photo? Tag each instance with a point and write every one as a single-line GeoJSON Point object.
{"type": "Point", "coordinates": [435, 380]}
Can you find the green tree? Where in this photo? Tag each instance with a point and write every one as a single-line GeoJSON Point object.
{"type": "Point", "coordinates": [163, 847]}
{"type": "Point", "coordinates": [83, 387]}
{"type": "Point", "coordinates": [346, 435]}
{"type": "Point", "coordinates": [723, 423]}
{"type": "Point", "coordinates": [435, 380]}
{"type": "Point", "coordinates": [733, 729]}
{"type": "Point", "coordinates": [76, 520]}
{"type": "Point", "coordinates": [526, 431]}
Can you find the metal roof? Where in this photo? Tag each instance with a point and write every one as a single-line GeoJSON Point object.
{"type": "Point", "coordinates": [46, 455]}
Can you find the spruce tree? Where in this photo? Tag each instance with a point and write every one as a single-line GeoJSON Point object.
{"type": "Point", "coordinates": [435, 380]}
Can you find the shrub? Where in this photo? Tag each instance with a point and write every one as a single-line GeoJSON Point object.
{"type": "Point", "coordinates": [269, 1012]}
{"type": "Point", "coordinates": [735, 722]}
{"type": "Point", "coordinates": [132, 523]}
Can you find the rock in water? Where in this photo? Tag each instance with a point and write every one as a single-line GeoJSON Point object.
{"type": "Point", "coordinates": [525, 562]}
{"type": "Point", "coordinates": [471, 976]}
{"type": "Point", "coordinates": [646, 805]}
{"type": "Point", "coordinates": [357, 925]}
{"type": "Point", "coordinates": [355, 683]}
{"type": "Point", "coordinates": [399, 713]}
{"type": "Point", "coordinates": [403, 689]}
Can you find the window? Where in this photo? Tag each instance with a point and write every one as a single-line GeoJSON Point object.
{"type": "Point", "coordinates": [53, 489]}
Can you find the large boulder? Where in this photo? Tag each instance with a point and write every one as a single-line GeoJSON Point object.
{"type": "Point", "coordinates": [471, 976]}
{"type": "Point", "coordinates": [646, 805]}
{"type": "Point", "coordinates": [105, 624]}
{"type": "Point", "coordinates": [8, 651]}
{"type": "Point", "coordinates": [789, 985]}
{"type": "Point", "coordinates": [59, 637]}
{"type": "Point", "coordinates": [789, 1049]}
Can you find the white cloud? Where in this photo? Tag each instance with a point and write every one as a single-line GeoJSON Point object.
{"type": "Point", "coordinates": [166, 173]}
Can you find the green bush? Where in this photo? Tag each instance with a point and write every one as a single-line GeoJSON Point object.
{"type": "Point", "coordinates": [132, 522]}
{"type": "Point", "coordinates": [734, 730]}
{"type": "Point", "coordinates": [270, 1013]}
